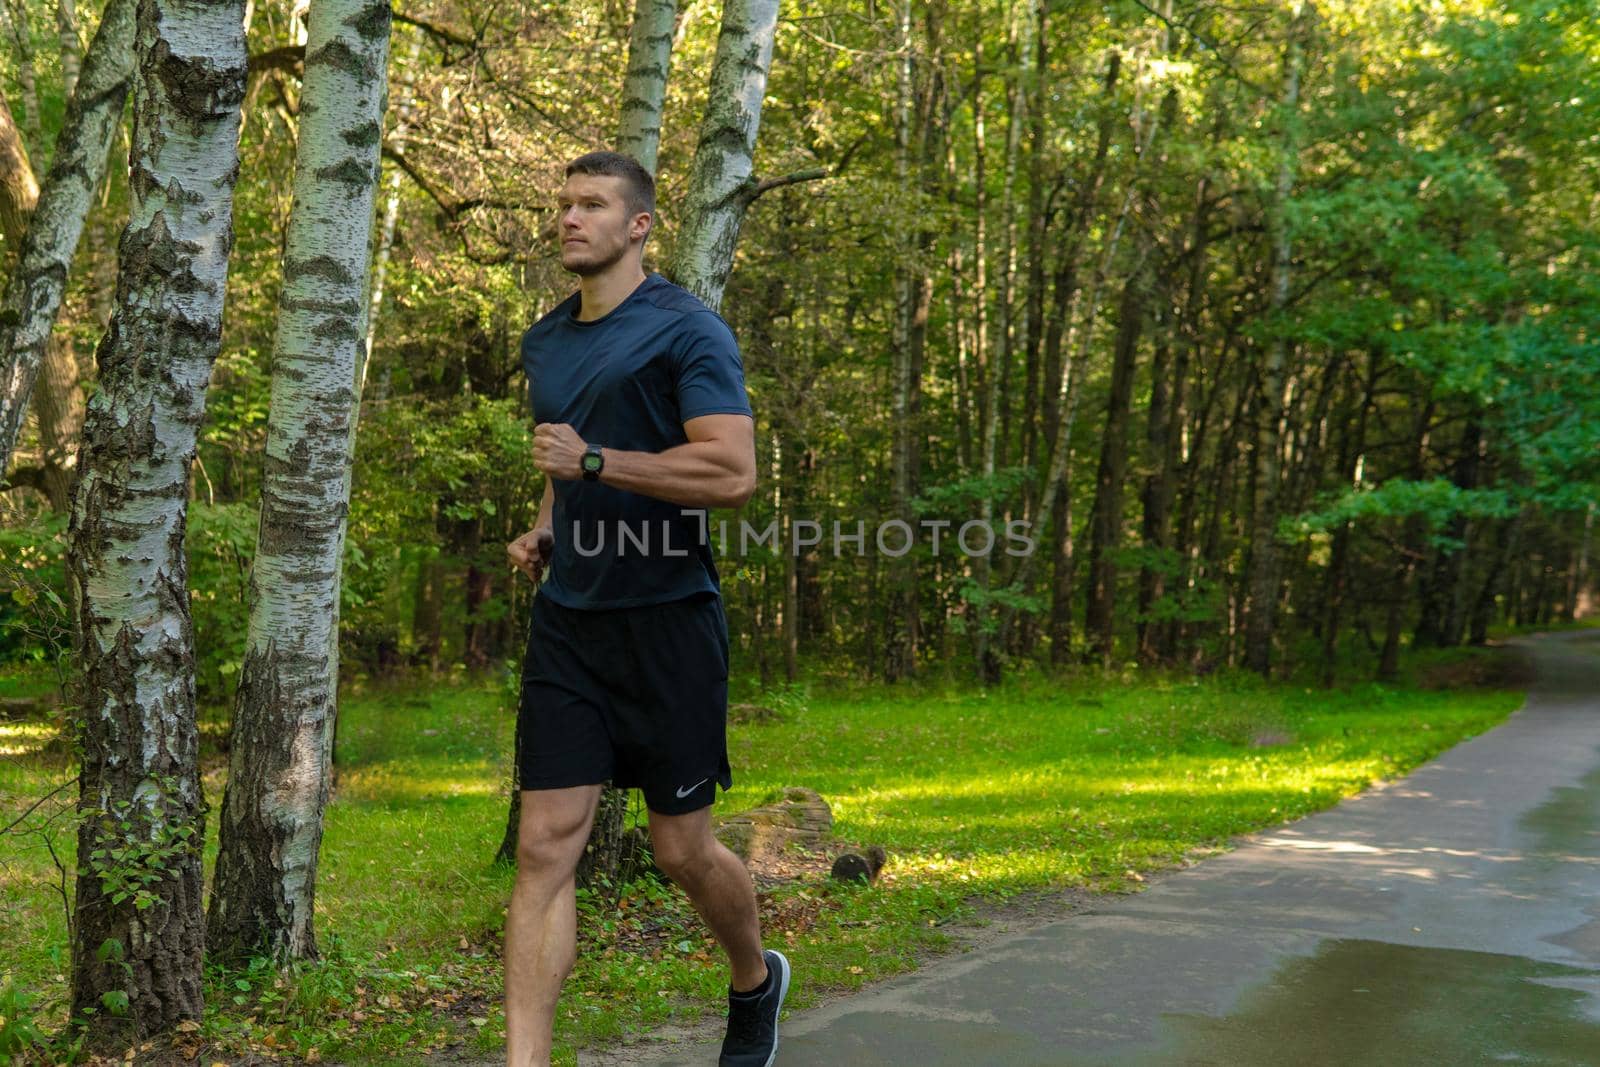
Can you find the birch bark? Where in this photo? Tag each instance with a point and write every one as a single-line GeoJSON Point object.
{"type": "Point", "coordinates": [33, 294]}
{"type": "Point", "coordinates": [645, 89]}
{"type": "Point", "coordinates": [280, 760]}
{"type": "Point", "coordinates": [721, 185]}
{"type": "Point", "coordinates": [67, 33]}
{"type": "Point", "coordinates": [137, 944]}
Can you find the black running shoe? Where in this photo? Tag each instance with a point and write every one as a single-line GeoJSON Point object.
{"type": "Point", "coordinates": [752, 1039]}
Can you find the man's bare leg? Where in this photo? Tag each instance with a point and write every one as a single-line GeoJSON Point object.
{"type": "Point", "coordinates": [542, 922]}
{"type": "Point", "coordinates": [718, 885]}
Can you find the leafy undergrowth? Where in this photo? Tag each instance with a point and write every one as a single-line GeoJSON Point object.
{"type": "Point", "coordinates": [978, 797]}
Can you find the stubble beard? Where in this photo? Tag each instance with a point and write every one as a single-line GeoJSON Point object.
{"type": "Point", "coordinates": [588, 268]}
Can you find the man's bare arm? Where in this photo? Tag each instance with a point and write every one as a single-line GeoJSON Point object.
{"type": "Point", "coordinates": [715, 469]}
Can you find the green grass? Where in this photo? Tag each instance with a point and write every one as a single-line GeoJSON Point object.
{"type": "Point", "coordinates": [1043, 783]}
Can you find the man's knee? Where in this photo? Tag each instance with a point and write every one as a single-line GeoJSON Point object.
{"type": "Point", "coordinates": [685, 858]}
{"type": "Point", "coordinates": [551, 836]}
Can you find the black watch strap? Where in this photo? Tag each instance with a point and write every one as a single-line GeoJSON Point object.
{"type": "Point", "coordinates": [594, 461]}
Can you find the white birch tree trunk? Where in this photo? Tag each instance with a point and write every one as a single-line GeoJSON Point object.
{"type": "Point", "coordinates": [59, 401]}
{"type": "Point", "coordinates": [279, 764]}
{"type": "Point", "coordinates": [15, 14]}
{"type": "Point", "coordinates": [644, 91]}
{"type": "Point", "coordinates": [391, 206]}
{"type": "Point", "coordinates": [33, 294]}
{"type": "Point", "coordinates": [139, 925]}
{"type": "Point", "coordinates": [721, 183]}
{"type": "Point", "coordinates": [71, 46]}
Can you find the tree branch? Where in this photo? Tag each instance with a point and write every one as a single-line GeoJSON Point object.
{"type": "Point", "coordinates": [453, 209]}
{"type": "Point", "coordinates": [31, 807]}
{"type": "Point", "coordinates": [24, 478]}
{"type": "Point", "coordinates": [439, 32]}
{"type": "Point", "coordinates": [752, 189]}
{"type": "Point", "coordinates": [291, 59]}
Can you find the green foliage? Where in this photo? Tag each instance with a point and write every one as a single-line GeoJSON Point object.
{"type": "Point", "coordinates": [35, 622]}
{"type": "Point", "coordinates": [452, 481]}
{"type": "Point", "coordinates": [1435, 501]}
{"type": "Point", "coordinates": [221, 543]}
{"type": "Point", "coordinates": [137, 845]}
{"type": "Point", "coordinates": [959, 497]}
{"type": "Point", "coordinates": [18, 1032]}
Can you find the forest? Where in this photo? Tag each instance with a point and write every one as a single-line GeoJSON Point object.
{"type": "Point", "coordinates": [1271, 324]}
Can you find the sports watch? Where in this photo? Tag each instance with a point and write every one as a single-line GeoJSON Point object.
{"type": "Point", "coordinates": [593, 462]}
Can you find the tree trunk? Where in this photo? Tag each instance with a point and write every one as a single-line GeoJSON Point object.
{"type": "Point", "coordinates": [1062, 413]}
{"type": "Point", "coordinates": [1443, 622]}
{"type": "Point", "coordinates": [1502, 565]}
{"type": "Point", "coordinates": [427, 613]}
{"type": "Point", "coordinates": [1405, 569]}
{"type": "Point", "coordinates": [1020, 49]}
{"type": "Point", "coordinates": [71, 46]}
{"type": "Point", "coordinates": [1264, 554]}
{"type": "Point", "coordinates": [280, 760]}
{"type": "Point", "coordinates": [1105, 518]}
{"type": "Point", "coordinates": [1033, 307]}
{"type": "Point", "coordinates": [1060, 381]}
{"type": "Point", "coordinates": [721, 185]}
{"type": "Point", "coordinates": [59, 405]}
{"type": "Point", "coordinates": [391, 206]}
{"type": "Point", "coordinates": [1578, 598]}
{"type": "Point", "coordinates": [139, 926]}
{"type": "Point", "coordinates": [644, 91]}
{"type": "Point", "coordinates": [19, 189]}
{"type": "Point", "coordinates": [1164, 432]}
{"type": "Point", "coordinates": [983, 647]}
{"type": "Point", "coordinates": [1353, 445]}
{"type": "Point", "coordinates": [918, 145]}
{"type": "Point", "coordinates": [15, 14]}
{"type": "Point", "coordinates": [33, 294]}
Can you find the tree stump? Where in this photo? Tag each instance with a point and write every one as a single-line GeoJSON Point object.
{"type": "Point", "coordinates": [801, 817]}
{"type": "Point", "coordinates": [756, 713]}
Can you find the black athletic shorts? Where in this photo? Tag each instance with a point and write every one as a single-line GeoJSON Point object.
{"type": "Point", "coordinates": [634, 696]}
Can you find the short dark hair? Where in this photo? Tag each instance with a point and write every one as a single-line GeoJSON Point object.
{"type": "Point", "coordinates": [641, 187]}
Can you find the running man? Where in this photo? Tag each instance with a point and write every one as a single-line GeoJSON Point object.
{"type": "Point", "coordinates": [642, 423]}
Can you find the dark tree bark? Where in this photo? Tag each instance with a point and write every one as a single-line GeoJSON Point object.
{"type": "Point", "coordinates": [1443, 593]}
{"type": "Point", "coordinates": [1352, 445]}
{"type": "Point", "coordinates": [1105, 519]}
{"type": "Point", "coordinates": [1408, 553]}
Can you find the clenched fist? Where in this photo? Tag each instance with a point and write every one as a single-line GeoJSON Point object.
{"type": "Point", "coordinates": [531, 552]}
{"type": "Point", "coordinates": [558, 450]}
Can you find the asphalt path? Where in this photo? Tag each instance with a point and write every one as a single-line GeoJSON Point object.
{"type": "Point", "coordinates": [1449, 917]}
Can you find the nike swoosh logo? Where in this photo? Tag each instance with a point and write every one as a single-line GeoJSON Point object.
{"type": "Point", "coordinates": [685, 792]}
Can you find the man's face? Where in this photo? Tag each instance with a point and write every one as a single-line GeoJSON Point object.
{"type": "Point", "coordinates": [596, 226]}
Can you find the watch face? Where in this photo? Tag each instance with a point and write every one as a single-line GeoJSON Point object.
{"type": "Point", "coordinates": [592, 461]}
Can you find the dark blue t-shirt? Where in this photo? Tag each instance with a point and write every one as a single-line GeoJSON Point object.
{"type": "Point", "coordinates": [629, 380]}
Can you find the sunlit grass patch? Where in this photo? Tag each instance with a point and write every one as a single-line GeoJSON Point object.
{"type": "Point", "coordinates": [21, 738]}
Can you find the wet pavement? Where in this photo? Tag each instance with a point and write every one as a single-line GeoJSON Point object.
{"type": "Point", "coordinates": [1451, 917]}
